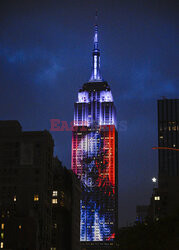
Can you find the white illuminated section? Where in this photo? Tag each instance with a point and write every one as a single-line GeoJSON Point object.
{"type": "Point", "coordinates": [157, 198]}
{"type": "Point", "coordinates": [97, 233]}
{"type": "Point", "coordinates": [105, 100]}
{"type": "Point", "coordinates": [96, 74]}
{"type": "Point", "coordinates": [106, 96]}
{"type": "Point", "coordinates": [83, 97]}
{"type": "Point", "coordinates": [154, 180]}
{"type": "Point", "coordinates": [95, 67]}
{"type": "Point", "coordinates": [96, 37]}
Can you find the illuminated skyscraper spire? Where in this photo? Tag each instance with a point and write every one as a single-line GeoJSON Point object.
{"type": "Point", "coordinates": [96, 74]}
{"type": "Point", "coordinates": [95, 158]}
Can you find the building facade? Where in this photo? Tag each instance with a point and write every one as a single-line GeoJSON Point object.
{"type": "Point", "coordinates": [168, 155]}
{"type": "Point", "coordinates": [25, 184]}
{"type": "Point", "coordinates": [142, 212]}
{"type": "Point", "coordinates": [39, 198]}
{"type": "Point", "coordinates": [95, 156]}
{"type": "Point", "coordinates": [65, 208]}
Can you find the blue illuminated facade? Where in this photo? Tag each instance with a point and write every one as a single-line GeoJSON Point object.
{"type": "Point", "coordinates": [94, 155]}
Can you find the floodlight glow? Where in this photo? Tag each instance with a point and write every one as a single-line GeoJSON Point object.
{"type": "Point", "coordinates": [94, 155]}
{"type": "Point", "coordinates": [154, 180]}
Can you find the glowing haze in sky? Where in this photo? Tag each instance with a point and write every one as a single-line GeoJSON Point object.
{"type": "Point", "coordinates": [45, 53]}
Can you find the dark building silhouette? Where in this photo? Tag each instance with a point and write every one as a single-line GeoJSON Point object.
{"type": "Point", "coordinates": [168, 142]}
{"type": "Point", "coordinates": [65, 208]}
{"type": "Point", "coordinates": [25, 184]}
{"type": "Point", "coordinates": [141, 213]}
{"type": "Point", "coordinates": [165, 200]}
{"type": "Point", "coordinates": [154, 207]}
{"type": "Point", "coordinates": [39, 199]}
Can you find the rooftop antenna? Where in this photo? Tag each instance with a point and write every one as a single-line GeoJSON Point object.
{"type": "Point", "coordinates": [96, 74]}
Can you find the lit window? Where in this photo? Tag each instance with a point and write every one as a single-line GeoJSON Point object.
{"type": "Point", "coordinates": [174, 128]}
{"type": "Point", "coordinates": [55, 225]}
{"type": "Point", "coordinates": [20, 227]}
{"type": "Point", "coordinates": [2, 235]}
{"type": "Point", "coordinates": [55, 193]}
{"type": "Point", "coordinates": [2, 244]}
{"type": "Point", "coordinates": [2, 226]}
{"type": "Point", "coordinates": [15, 198]}
{"type": "Point", "coordinates": [157, 198]}
{"type": "Point", "coordinates": [54, 201]}
{"type": "Point", "coordinates": [36, 197]}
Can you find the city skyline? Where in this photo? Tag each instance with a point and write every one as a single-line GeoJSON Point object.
{"type": "Point", "coordinates": [45, 59]}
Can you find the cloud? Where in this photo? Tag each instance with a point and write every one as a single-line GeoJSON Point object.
{"type": "Point", "coordinates": [50, 72]}
{"type": "Point", "coordinates": [47, 65]}
{"type": "Point", "coordinates": [145, 82]}
{"type": "Point", "coordinates": [11, 56]}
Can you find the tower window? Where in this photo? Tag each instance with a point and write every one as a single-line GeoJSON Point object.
{"type": "Point", "coordinates": [36, 197]}
{"type": "Point", "coordinates": [55, 193]}
{"type": "Point", "coordinates": [54, 201]}
{"type": "Point", "coordinates": [157, 198]}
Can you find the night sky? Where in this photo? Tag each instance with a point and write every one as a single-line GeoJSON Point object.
{"type": "Point", "coordinates": [45, 57]}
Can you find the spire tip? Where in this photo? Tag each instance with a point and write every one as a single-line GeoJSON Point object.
{"type": "Point", "coordinates": [96, 17]}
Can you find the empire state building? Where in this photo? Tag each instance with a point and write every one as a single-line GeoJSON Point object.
{"type": "Point", "coordinates": [95, 155]}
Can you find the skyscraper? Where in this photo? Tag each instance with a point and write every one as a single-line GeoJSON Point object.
{"type": "Point", "coordinates": [26, 185]}
{"type": "Point", "coordinates": [168, 142]}
{"type": "Point", "coordinates": [39, 198]}
{"type": "Point", "coordinates": [95, 155]}
{"type": "Point", "coordinates": [65, 208]}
